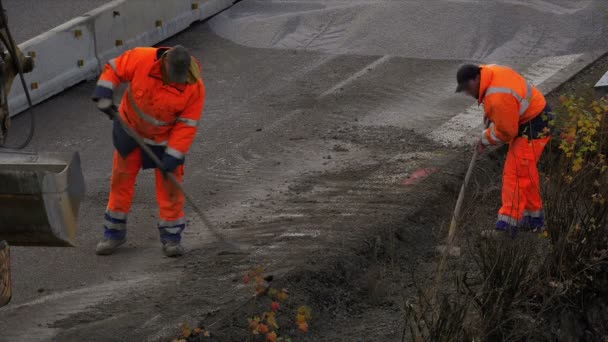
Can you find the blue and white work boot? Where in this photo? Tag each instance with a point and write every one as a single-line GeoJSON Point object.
{"type": "Point", "coordinates": [503, 229]}
{"type": "Point", "coordinates": [173, 249]}
{"type": "Point", "coordinates": [534, 224]}
{"type": "Point", "coordinates": [107, 245]}
{"type": "Point", "coordinates": [171, 237]}
{"type": "Point", "coordinates": [114, 233]}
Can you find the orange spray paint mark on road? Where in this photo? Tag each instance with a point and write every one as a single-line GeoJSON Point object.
{"type": "Point", "coordinates": [418, 176]}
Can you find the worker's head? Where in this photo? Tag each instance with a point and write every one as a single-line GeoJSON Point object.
{"type": "Point", "coordinates": [469, 77]}
{"type": "Point", "coordinates": [176, 63]}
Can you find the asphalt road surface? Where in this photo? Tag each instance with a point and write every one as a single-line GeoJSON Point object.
{"type": "Point", "coordinates": [297, 94]}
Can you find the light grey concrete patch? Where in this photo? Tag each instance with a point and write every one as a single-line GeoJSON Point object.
{"type": "Point", "coordinates": [603, 82]}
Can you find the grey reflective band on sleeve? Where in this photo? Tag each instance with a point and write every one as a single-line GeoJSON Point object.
{"type": "Point", "coordinates": [144, 116]}
{"type": "Point", "coordinates": [174, 153]}
{"type": "Point", "coordinates": [525, 103]}
{"type": "Point", "coordinates": [494, 136]}
{"type": "Point", "coordinates": [106, 84]}
{"type": "Point", "coordinates": [189, 122]}
{"type": "Point", "coordinates": [484, 139]}
{"type": "Point", "coordinates": [112, 63]}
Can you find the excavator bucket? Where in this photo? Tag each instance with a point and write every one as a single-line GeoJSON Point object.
{"type": "Point", "coordinates": [40, 194]}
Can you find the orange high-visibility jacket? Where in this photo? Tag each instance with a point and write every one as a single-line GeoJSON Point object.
{"type": "Point", "coordinates": [165, 114]}
{"type": "Point", "coordinates": [509, 101]}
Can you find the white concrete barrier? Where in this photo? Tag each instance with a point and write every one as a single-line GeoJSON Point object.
{"type": "Point", "coordinates": [76, 50]}
{"type": "Point", "coordinates": [63, 57]}
{"type": "Point", "coordinates": [210, 8]}
{"type": "Point", "coordinates": [125, 24]}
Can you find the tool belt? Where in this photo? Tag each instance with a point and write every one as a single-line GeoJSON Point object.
{"type": "Point", "coordinates": [539, 127]}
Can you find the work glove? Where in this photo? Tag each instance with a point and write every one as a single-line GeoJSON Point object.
{"type": "Point", "coordinates": [170, 163]}
{"type": "Point", "coordinates": [107, 106]}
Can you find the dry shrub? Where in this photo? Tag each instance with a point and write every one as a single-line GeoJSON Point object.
{"type": "Point", "coordinates": [575, 272]}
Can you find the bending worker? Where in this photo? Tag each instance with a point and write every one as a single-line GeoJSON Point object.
{"type": "Point", "coordinates": [163, 104]}
{"type": "Point", "coordinates": [516, 113]}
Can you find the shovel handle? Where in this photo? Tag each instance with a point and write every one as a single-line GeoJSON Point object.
{"type": "Point", "coordinates": [458, 208]}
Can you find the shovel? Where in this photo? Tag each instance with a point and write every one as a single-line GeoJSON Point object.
{"type": "Point", "coordinates": [449, 248]}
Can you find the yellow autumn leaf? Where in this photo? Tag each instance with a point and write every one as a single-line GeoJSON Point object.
{"type": "Point", "coordinates": [272, 320]}
{"type": "Point", "coordinates": [186, 331]}
{"type": "Point", "coordinates": [305, 311]}
{"type": "Point", "coordinates": [300, 318]}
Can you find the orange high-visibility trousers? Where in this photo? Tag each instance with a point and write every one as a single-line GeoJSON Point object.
{"type": "Point", "coordinates": [521, 182]}
{"type": "Point", "coordinates": [170, 199]}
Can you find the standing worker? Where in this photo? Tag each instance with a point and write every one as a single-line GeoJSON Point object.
{"type": "Point", "coordinates": [163, 104]}
{"type": "Point", "coordinates": [516, 113]}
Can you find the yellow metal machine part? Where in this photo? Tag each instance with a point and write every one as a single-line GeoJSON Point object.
{"type": "Point", "coordinates": [40, 193]}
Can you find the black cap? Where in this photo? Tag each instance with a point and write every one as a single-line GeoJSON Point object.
{"type": "Point", "coordinates": [466, 73]}
{"type": "Point", "coordinates": [179, 64]}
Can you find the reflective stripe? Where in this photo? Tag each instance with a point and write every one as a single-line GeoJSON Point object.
{"type": "Point", "coordinates": [145, 116]}
{"type": "Point", "coordinates": [116, 215]}
{"type": "Point", "coordinates": [536, 214]}
{"type": "Point", "coordinates": [115, 226]}
{"type": "Point", "coordinates": [501, 90]}
{"type": "Point", "coordinates": [105, 84]}
{"type": "Point", "coordinates": [174, 230]}
{"type": "Point", "coordinates": [175, 153]}
{"type": "Point", "coordinates": [189, 122]}
{"type": "Point", "coordinates": [112, 63]}
{"type": "Point", "coordinates": [493, 135]}
{"type": "Point", "coordinates": [524, 103]}
{"type": "Point", "coordinates": [172, 227]}
{"type": "Point", "coordinates": [154, 143]}
{"type": "Point", "coordinates": [511, 221]}
{"type": "Point", "coordinates": [165, 224]}
{"type": "Point", "coordinates": [484, 139]}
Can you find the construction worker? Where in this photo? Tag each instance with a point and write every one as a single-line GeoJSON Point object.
{"type": "Point", "coordinates": [163, 104]}
{"type": "Point", "coordinates": [516, 113]}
